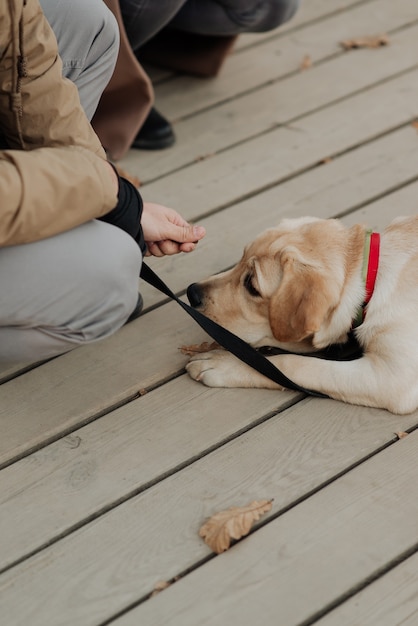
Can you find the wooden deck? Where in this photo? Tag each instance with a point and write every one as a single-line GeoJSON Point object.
{"type": "Point", "coordinates": [103, 487]}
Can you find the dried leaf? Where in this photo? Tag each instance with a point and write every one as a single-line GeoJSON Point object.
{"type": "Point", "coordinates": [306, 62]}
{"type": "Point", "coordinates": [401, 434]}
{"type": "Point", "coordinates": [197, 348]}
{"type": "Point", "coordinates": [369, 41]}
{"type": "Point", "coordinates": [203, 157]}
{"type": "Point", "coordinates": [160, 586]}
{"type": "Point", "coordinates": [124, 174]}
{"type": "Point", "coordinates": [233, 523]}
{"type": "Point", "coordinates": [325, 160]}
{"type": "Point", "coordinates": [415, 124]}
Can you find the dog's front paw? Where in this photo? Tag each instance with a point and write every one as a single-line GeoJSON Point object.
{"type": "Point", "coordinates": [219, 368]}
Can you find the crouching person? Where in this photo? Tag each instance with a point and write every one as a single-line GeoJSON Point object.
{"type": "Point", "coordinates": [72, 232]}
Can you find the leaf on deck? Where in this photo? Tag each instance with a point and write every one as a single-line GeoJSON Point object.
{"type": "Point", "coordinates": [197, 348]}
{"type": "Point", "coordinates": [401, 434]}
{"type": "Point", "coordinates": [233, 523]}
{"type": "Point", "coordinates": [306, 62]}
{"type": "Point", "coordinates": [203, 157]}
{"type": "Point", "coordinates": [160, 586]}
{"type": "Point", "coordinates": [124, 174]}
{"type": "Point", "coordinates": [369, 41]}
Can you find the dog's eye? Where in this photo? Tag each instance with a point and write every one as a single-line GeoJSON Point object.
{"type": "Point", "coordinates": [249, 286]}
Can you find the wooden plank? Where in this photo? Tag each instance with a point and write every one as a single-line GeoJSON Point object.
{"type": "Point", "coordinates": [268, 159]}
{"type": "Point", "coordinates": [312, 11]}
{"type": "Point", "coordinates": [378, 214]}
{"type": "Point", "coordinates": [116, 559]}
{"type": "Point", "coordinates": [7, 372]}
{"type": "Point", "coordinates": [329, 190]}
{"type": "Point", "coordinates": [257, 112]}
{"type": "Point", "coordinates": [281, 56]}
{"type": "Point", "coordinates": [306, 559]}
{"type": "Point", "coordinates": [162, 410]}
{"type": "Point", "coordinates": [82, 384]}
{"type": "Point", "coordinates": [114, 370]}
{"type": "Point", "coordinates": [392, 600]}
{"type": "Point", "coordinates": [86, 472]}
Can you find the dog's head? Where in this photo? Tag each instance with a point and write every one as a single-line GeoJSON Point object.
{"type": "Point", "coordinates": [287, 286]}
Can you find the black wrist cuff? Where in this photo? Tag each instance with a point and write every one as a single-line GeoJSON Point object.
{"type": "Point", "coordinates": [128, 211]}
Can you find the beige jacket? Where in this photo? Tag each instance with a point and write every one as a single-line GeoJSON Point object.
{"type": "Point", "coordinates": [54, 177]}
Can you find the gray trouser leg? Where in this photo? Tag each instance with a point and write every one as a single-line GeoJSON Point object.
{"type": "Point", "coordinates": [88, 43]}
{"type": "Point", "coordinates": [144, 18]}
{"type": "Point", "coordinates": [71, 289]}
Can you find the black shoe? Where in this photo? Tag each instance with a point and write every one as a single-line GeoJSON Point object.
{"type": "Point", "coordinates": [155, 133]}
{"type": "Point", "coordinates": [137, 310]}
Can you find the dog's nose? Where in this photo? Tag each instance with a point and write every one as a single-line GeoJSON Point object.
{"type": "Point", "coordinates": [194, 294]}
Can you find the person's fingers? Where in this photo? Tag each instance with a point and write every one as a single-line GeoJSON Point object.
{"type": "Point", "coordinates": [173, 246]}
{"type": "Point", "coordinates": [169, 247]}
{"type": "Point", "coordinates": [187, 233]}
{"type": "Point", "coordinates": [187, 247]}
{"type": "Point", "coordinates": [154, 249]}
{"type": "Point", "coordinates": [163, 248]}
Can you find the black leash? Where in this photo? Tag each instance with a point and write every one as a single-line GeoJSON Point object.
{"type": "Point", "coordinates": [243, 350]}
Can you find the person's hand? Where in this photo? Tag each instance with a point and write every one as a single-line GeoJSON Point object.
{"type": "Point", "coordinates": [166, 232]}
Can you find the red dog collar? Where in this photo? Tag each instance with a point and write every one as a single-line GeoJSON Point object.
{"type": "Point", "coordinates": [369, 271]}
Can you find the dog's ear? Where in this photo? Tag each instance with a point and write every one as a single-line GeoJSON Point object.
{"type": "Point", "coordinates": [301, 302]}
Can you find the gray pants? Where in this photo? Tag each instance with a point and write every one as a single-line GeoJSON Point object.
{"type": "Point", "coordinates": [88, 41]}
{"type": "Point", "coordinates": [144, 18]}
{"type": "Point", "coordinates": [82, 285]}
{"type": "Point", "coordinates": [71, 289]}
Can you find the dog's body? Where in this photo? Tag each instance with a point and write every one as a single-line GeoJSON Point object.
{"type": "Point", "coordinates": [299, 287]}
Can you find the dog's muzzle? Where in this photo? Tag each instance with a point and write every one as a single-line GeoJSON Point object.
{"type": "Point", "coordinates": [194, 294]}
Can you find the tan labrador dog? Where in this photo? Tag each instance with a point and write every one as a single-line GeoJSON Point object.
{"type": "Point", "coordinates": [300, 286]}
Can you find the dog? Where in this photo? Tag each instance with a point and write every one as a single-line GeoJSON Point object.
{"type": "Point", "coordinates": [301, 287]}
